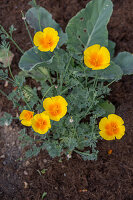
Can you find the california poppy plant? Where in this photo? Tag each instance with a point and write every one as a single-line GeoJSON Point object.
{"type": "Point", "coordinates": [46, 40]}
{"type": "Point", "coordinates": [56, 107]}
{"type": "Point", "coordinates": [26, 117]}
{"type": "Point", "coordinates": [41, 123]}
{"type": "Point", "coordinates": [112, 127]}
{"type": "Point", "coordinates": [97, 57]}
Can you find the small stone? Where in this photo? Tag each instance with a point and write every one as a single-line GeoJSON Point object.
{"type": "Point", "coordinates": [39, 88]}
{"type": "Point", "coordinates": [23, 18]}
{"type": "Point", "coordinates": [2, 156]}
{"type": "Point", "coordinates": [6, 84]}
{"type": "Point", "coordinates": [25, 185]}
{"type": "Point", "coordinates": [4, 162]}
{"type": "Point", "coordinates": [44, 160]}
{"type": "Point", "coordinates": [25, 173]}
{"type": "Point", "coordinates": [27, 163]}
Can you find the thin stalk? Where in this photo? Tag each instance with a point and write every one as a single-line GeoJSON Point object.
{"type": "Point", "coordinates": [61, 81]}
{"type": "Point", "coordinates": [27, 103]}
{"type": "Point", "coordinates": [50, 80]}
{"type": "Point", "coordinates": [47, 91]}
{"type": "Point", "coordinates": [67, 65]}
{"type": "Point", "coordinates": [92, 102]}
{"type": "Point", "coordinates": [10, 37]}
{"type": "Point", "coordinates": [39, 20]}
{"type": "Point", "coordinates": [10, 80]}
{"type": "Point", "coordinates": [81, 153]}
{"type": "Point", "coordinates": [85, 78]}
{"type": "Point", "coordinates": [3, 93]}
{"type": "Point", "coordinates": [35, 2]}
{"type": "Point", "coordinates": [110, 83]}
{"type": "Point", "coordinates": [11, 72]}
{"type": "Point", "coordinates": [27, 28]}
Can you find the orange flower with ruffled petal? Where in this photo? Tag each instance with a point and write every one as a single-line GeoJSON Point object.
{"type": "Point", "coordinates": [41, 123]}
{"type": "Point", "coordinates": [46, 40]}
{"type": "Point", "coordinates": [26, 117]}
{"type": "Point", "coordinates": [111, 127]}
{"type": "Point", "coordinates": [56, 107]}
{"type": "Point", "coordinates": [97, 57]}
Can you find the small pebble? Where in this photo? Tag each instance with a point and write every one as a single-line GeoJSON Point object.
{"type": "Point", "coordinates": [39, 88]}
{"type": "Point", "coordinates": [44, 160]}
{"type": "Point", "coordinates": [25, 173]}
{"type": "Point", "coordinates": [27, 163]}
{"type": "Point", "coordinates": [25, 185]}
{"type": "Point", "coordinates": [2, 156]}
{"type": "Point", "coordinates": [6, 84]}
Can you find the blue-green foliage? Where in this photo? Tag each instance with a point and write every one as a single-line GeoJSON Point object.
{"type": "Point", "coordinates": [63, 72]}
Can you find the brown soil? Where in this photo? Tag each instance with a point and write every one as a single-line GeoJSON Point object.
{"type": "Point", "coordinates": [108, 178]}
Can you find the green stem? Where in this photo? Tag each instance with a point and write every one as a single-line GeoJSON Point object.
{"type": "Point", "coordinates": [3, 93]}
{"type": "Point", "coordinates": [47, 91]}
{"type": "Point", "coordinates": [81, 153]}
{"type": "Point", "coordinates": [67, 65]}
{"type": "Point", "coordinates": [110, 83]}
{"type": "Point", "coordinates": [92, 102]}
{"type": "Point", "coordinates": [27, 28]}
{"type": "Point", "coordinates": [27, 104]}
{"type": "Point", "coordinates": [50, 80]}
{"type": "Point", "coordinates": [85, 77]}
{"type": "Point", "coordinates": [10, 80]}
{"type": "Point", "coordinates": [10, 37]}
{"type": "Point", "coordinates": [11, 72]}
{"type": "Point", "coordinates": [35, 3]}
{"type": "Point", "coordinates": [39, 19]}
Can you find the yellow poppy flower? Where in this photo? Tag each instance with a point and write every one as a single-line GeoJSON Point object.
{"type": "Point", "coordinates": [26, 117]}
{"type": "Point", "coordinates": [97, 57]}
{"type": "Point", "coordinates": [112, 127]}
{"type": "Point", "coordinates": [56, 107]}
{"type": "Point", "coordinates": [46, 40]}
{"type": "Point", "coordinates": [41, 123]}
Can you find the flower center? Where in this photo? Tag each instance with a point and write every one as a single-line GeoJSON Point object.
{"type": "Point", "coordinates": [112, 128]}
{"type": "Point", "coordinates": [41, 123]}
{"type": "Point", "coordinates": [28, 116]}
{"type": "Point", "coordinates": [50, 42]}
{"type": "Point", "coordinates": [96, 60]}
{"type": "Point", "coordinates": [55, 109]}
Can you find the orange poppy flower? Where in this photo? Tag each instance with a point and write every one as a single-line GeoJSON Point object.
{"type": "Point", "coordinates": [46, 40]}
{"type": "Point", "coordinates": [112, 127]}
{"type": "Point", "coordinates": [26, 117]}
{"type": "Point", "coordinates": [56, 107]}
{"type": "Point", "coordinates": [97, 57]}
{"type": "Point", "coordinates": [41, 123]}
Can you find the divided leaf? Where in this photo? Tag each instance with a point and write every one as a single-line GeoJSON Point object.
{"type": "Point", "coordinates": [88, 27]}
{"type": "Point", "coordinates": [6, 120]}
{"type": "Point", "coordinates": [39, 18]}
